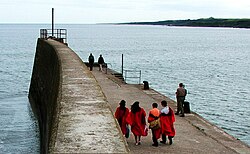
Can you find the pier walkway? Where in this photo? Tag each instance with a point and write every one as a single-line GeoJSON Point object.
{"type": "Point", "coordinates": [193, 133]}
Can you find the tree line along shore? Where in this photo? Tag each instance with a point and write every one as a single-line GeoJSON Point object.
{"type": "Point", "coordinates": [203, 22]}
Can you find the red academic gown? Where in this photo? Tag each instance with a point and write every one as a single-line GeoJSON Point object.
{"type": "Point", "coordinates": [121, 116]}
{"type": "Point", "coordinates": [167, 123]}
{"type": "Point", "coordinates": [156, 113]}
{"type": "Point", "coordinates": [137, 122]}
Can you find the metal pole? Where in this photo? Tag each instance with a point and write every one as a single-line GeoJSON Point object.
{"type": "Point", "coordinates": [140, 77]}
{"type": "Point", "coordinates": [122, 64]}
{"type": "Point", "coordinates": [52, 21]}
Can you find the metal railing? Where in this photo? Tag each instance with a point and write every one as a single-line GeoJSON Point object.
{"type": "Point", "coordinates": [57, 34]}
{"type": "Point", "coordinates": [135, 75]}
{"type": "Point", "coordinates": [106, 65]}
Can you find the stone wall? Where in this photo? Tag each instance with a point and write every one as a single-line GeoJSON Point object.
{"type": "Point", "coordinates": [73, 113]}
{"type": "Point", "coordinates": [44, 93]}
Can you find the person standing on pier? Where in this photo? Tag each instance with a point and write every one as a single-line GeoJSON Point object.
{"type": "Point", "coordinates": [137, 121]}
{"type": "Point", "coordinates": [121, 115]}
{"type": "Point", "coordinates": [91, 61]}
{"type": "Point", "coordinates": [167, 120]}
{"type": "Point", "coordinates": [181, 93]}
{"type": "Point", "coordinates": [100, 62]}
{"type": "Point", "coordinates": [154, 123]}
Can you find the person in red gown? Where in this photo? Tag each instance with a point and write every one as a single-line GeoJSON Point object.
{"type": "Point", "coordinates": [167, 120]}
{"type": "Point", "coordinates": [121, 115]}
{"type": "Point", "coordinates": [154, 114]}
{"type": "Point", "coordinates": [137, 121]}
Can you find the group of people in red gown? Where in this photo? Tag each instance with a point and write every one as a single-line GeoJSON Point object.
{"type": "Point", "coordinates": [161, 122]}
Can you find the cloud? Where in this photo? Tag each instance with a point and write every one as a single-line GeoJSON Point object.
{"type": "Point", "coordinates": [95, 11]}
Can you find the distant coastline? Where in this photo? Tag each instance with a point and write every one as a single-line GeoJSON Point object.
{"type": "Point", "coordinates": [203, 22]}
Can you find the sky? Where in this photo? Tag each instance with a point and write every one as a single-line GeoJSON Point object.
{"type": "Point", "coordinates": [118, 11]}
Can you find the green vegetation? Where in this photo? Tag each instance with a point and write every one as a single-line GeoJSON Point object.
{"type": "Point", "coordinates": [203, 22]}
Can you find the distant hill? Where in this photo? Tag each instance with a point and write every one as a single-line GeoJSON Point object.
{"type": "Point", "coordinates": [203, 22]}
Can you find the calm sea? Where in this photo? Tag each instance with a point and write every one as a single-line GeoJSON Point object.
{"type": "Point", "coordinates": [213, 63]}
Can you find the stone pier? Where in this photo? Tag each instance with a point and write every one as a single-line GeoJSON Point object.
{"type": "Point", "coordinates": [75, 109]}
{"type": "Point", "coordinates": [73, 113]}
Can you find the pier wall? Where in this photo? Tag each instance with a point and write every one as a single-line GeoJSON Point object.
{"type": "Point", "coordinates": [72, 111]}
{"type": "Point", "coordinates": [45, 90]}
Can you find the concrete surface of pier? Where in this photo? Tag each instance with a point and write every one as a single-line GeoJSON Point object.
{"type": "Point", "coordinates": [193, 133]}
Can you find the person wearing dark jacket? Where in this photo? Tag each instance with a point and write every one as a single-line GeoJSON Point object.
{"type": "Point", "coordinates": [91, 61]}
{"type": "Point", "coordinates": [100, 62]}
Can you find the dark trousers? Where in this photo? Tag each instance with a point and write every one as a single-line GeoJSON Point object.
{"type": "Point", "coordinates": [154, 138]}
{"type": "Point", "coordinates": [91, 67]}
{"type": "Point", "coordinates": [180, 103]}
{"type": "Point", "coordinates": [164, 138]}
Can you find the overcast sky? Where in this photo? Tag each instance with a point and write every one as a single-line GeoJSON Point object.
{"type": "Point", "coordinates": [115, 11]}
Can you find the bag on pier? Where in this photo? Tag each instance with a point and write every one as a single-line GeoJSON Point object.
{"type": "Point", "coordinates": [186, 107]}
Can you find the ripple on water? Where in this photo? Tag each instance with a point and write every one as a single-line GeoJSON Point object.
{"type": "Point", "coordinates": [19, 129]}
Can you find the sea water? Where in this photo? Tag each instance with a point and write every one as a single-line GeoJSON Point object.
{"type": "Point", "coordinates": [19, 131]}
{"type": "Point", "coordinates": [211, 62]}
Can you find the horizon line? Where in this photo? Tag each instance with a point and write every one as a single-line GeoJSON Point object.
{"type": "Point", "coordinates": [113, 22]}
